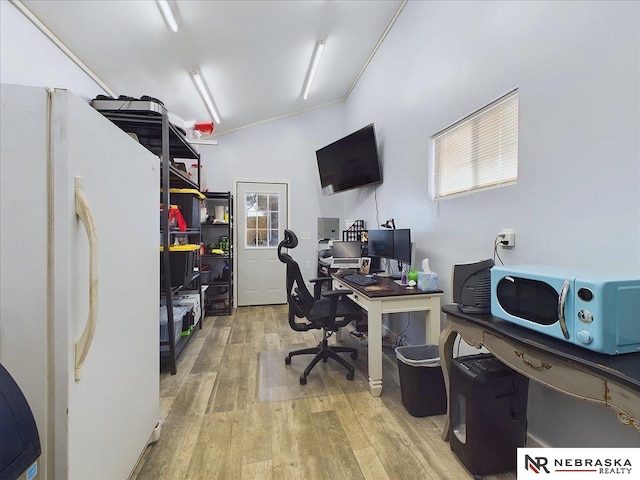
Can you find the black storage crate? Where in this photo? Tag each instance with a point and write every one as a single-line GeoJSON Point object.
{"type": "Point", "coordinates": [189, 205]}
{"type": "Point", "coordinates": [421, 381]}
{"type": "Point", "coordinates": [181, 268]}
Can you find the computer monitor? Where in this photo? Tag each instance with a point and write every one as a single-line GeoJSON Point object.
{"type": "Point", "coordinates": [347, 249]}
{"type": "Point", "coordinates": [402, 245]}
{"type": "Point", "coordinates": [380, 243]}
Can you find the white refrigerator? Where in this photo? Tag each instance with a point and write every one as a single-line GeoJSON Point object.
{"type": "Point", "coordinates": [79, 236]}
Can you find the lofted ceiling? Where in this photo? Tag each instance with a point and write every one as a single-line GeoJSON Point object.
{"type": "Point", "coordinates": [254, 55]}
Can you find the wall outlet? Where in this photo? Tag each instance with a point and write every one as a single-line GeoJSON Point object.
{"type": "Point", "coordinates": [308, 264]}
{"type": "Point", "coordinates": [305, 236]}
{"type": "Point", "coordinates": [507, 238]}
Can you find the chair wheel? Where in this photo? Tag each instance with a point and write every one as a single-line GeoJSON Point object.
{"type": "Point", "coordinates": [303, 380]}
{"type": "Point", "coordinates": [350, 376]}
{"type": "Point", "coordinates": [354, 355]}
{"type": "Point", "coordinates": [287, 360]}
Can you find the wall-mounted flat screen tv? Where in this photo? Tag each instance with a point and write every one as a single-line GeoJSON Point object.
{"type": "Point", "coordinates": [350, 162]}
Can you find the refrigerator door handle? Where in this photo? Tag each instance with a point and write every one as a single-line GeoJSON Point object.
{"type": "Point", "coordinates": [86, 217]}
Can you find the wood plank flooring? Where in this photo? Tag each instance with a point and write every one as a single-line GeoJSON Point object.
{"type": "Point", "coordinates": [216, 426]}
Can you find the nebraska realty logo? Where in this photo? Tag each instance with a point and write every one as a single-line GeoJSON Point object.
{"type": "Point", "coordinates": [582, 463]}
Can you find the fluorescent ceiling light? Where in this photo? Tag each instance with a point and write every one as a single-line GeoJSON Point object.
{"type": "Point", "coordinates": [206, 96]}
{"type": "Point", "coordinates": [165, 8]}
{"type": "Point", "coordinates": [315, 60]}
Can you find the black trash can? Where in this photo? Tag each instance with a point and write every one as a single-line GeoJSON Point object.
{"type": "Point", "coordinates": [421, 380]}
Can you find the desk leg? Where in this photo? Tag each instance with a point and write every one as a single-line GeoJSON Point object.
{"type": "Point", "coordinates": [374, 349]}
{"type": "Point", "coordinates": [447, 339]}
{"type": "Point", "coordinates": [432, 327]}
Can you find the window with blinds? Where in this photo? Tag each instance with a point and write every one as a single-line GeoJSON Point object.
{"type": "Point", "coordinates": [478, 152]}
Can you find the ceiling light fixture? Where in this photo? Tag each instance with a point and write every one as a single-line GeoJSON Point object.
{"type": "Point", "coordinates": [165, 8]}
{"type": "Point", "coordinates": [315, 60]}
{"type": "Point", "coordinates": [206, 96]}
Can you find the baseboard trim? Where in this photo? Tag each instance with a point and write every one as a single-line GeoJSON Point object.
{"type": "Point", "coordinates": [535, 442]}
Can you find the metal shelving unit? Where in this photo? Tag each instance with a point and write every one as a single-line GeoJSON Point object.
{"type": "Point", "coordinates": [217, 262]}
{"type": "Point", "coordinates": [154, 131]}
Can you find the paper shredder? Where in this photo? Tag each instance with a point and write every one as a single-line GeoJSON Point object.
{"type": "Point", "coordinates": [488, 413]}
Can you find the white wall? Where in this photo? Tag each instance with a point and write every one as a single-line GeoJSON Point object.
{"type": "Point", "coordinates": [577, 201]}
{"type": "Point", "coordinates": [27, 57]}
{"type": "Point", "coordinates": [283, 150]}
{"type": "Point", "coordinates": [577, 67]}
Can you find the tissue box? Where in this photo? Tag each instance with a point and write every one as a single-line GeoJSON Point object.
{"type": "Point", "coordinates": [427, 281]}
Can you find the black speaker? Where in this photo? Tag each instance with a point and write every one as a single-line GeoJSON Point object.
{"type": "Point", "coordinates": [488, 413]}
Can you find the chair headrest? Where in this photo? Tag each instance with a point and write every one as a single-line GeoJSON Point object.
{"type": "Point", "coordinates": [290, 239]}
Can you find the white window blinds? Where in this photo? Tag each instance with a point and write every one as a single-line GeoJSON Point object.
{"type": "Point", "coordinates": [480, 151]}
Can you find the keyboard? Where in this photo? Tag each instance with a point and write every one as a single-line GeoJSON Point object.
{"type": "Point", "coordinates": [360, 279]}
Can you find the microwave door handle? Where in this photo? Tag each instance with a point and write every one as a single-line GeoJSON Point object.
{"type": "Point", "coordinates": [561, 303]}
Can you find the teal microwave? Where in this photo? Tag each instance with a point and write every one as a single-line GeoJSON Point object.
{"type": "Point", "coordinates": [591, 310]}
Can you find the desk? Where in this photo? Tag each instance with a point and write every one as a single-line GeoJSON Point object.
{"type": "Point", "coordinates": [396, 299]}
{"type": "Point", "coordinates": [610, 380]}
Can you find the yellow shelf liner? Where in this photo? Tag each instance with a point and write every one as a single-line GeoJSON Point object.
{"type": "Point", "coordinates": [189, 247]}
{"type": "Point", "coordinates": [191, 191]}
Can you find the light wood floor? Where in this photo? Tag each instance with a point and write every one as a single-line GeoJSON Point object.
{"type": "Point", "coordinates": [217, 424]}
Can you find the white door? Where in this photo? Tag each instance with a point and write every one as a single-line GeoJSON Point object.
{"type": "Point", "coordinates": [261, 217]}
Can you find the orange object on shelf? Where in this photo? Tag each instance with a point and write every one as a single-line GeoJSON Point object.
{"type": "Point", "coordinates": [175, 213]}
{"type": "Point", "coordinates": [204, 127]}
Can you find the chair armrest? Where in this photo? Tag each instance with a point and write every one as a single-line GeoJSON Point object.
{"type": "Point", "coordinates": [317, 285]}
{"type": "Point", "coordinates": [335, 297]}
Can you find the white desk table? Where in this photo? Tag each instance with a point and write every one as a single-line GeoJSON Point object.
{"type": "Point", "coordinates": [390, 298]}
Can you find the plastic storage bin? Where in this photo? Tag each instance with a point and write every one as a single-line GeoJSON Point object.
{"type": "Point", "coordinates": [181, 262]}
{"type": "Point", "coordinates": [178, 315]}
{"type": "Point", "coordinates": [421, 380]}
{"type": "Point", "coordinates": [189, 203]}
{"type": "Point", "coordinates": [189, 299]}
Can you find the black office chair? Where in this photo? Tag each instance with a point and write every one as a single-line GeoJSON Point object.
{"type": "Point", "coordinates": [328, 310]}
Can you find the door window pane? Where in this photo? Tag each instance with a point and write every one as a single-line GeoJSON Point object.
{"type": "Point", "coordinates": [262, 212]}
{"type": "Point", "coordinates": [273, 238]}
{"type": "Point", "coordinates": [262, 202]}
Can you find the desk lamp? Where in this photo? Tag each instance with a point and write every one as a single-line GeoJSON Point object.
{"type": "Point", "coordinates": [389, 224]}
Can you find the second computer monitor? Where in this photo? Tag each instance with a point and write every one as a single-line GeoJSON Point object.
{"type": "Point", "coordinates": [402, 245]}
{"type": "Point", "coordinates": [380, 243]}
